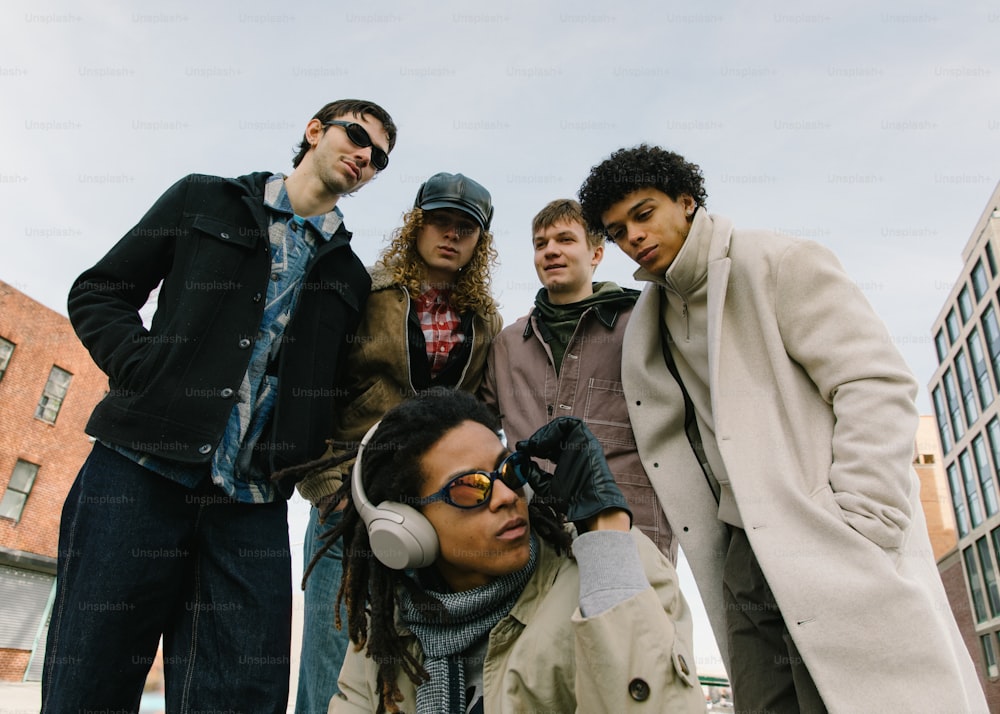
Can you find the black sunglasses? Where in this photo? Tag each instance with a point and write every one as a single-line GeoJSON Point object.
{"type": "Point", "coordinates": [473, 488]}
{"type": "Point", "coordinates": [359, 137]}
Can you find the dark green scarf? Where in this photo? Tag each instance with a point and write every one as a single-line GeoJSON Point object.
{"type": "Point", "coordinates": [561, 320]}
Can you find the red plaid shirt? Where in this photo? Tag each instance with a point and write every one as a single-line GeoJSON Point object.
{"type": "Point", "coordinates": [439, 323]}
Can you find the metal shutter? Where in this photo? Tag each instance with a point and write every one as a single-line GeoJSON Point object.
{"type": "Point", "coordinates": [24, 594]}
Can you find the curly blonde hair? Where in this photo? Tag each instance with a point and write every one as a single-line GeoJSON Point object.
{"type": "Point", "coordinates": [472, 289]}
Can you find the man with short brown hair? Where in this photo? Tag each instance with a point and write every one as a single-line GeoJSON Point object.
{"type": "Point", "coordinates": [564, 358]}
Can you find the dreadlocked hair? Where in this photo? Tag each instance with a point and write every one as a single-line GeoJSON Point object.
{"type": "Point", "coordinates": [391, 471]}
{"type": "Point", "coordinates": [472, 289]}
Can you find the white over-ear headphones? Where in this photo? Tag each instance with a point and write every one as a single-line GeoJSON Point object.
{"type": "Point", "coordinates": [400, 536]}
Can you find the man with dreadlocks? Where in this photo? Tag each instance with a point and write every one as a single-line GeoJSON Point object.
{"type": "Point", "coordinates": [472, 603]}
{"type": "Point", "coordinates": [429, 321]}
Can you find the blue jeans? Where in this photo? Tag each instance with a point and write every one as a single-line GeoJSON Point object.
{"type": "Point", "coordinates": [323, 645]}
{"type": "Point", "coordinates": [141, 556]}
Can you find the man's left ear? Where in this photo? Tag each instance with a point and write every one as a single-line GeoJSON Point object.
{"type": "Point", "coordinates": [598, 255]}
{"type": "Point", "coordinates": [690, 206]}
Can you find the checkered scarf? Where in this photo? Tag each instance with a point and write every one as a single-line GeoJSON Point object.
{"type": "Point", "coordinates": [467, 617]}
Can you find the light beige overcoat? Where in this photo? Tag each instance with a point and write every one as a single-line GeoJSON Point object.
{"type": "Point", "coordinates": [815, 421]}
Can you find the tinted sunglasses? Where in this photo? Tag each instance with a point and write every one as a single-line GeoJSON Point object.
{"type": "Point", "coordinates": [359, 137]}
{"type": "Point", "coordinates": [473, 488]}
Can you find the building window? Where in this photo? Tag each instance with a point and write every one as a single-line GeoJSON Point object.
{"type": "Point", "coordinates": [980, 283]}
{"type": "Point", "coordinates": [951, 322]}
{"type": "Point", "coordinates": [991, 330]}
{"type": "Point", "coordinates": [53, 395]}
{"type": "Point", "coordinates": [951, 393]}
{"type": "Point", "coordinates": [989, 656]}
{"type": "Point", "coordinates": [975, 584]}
{"type": "Point", "coordinates": [989, 575]}
{"type": "Point", "coordinates": [991, 261]}
{"type": "Point", "coordinates": [985, 475]}
{"type": "Point", "coordinates": [18, 489]}
{"type": "Point", "coordinates": [964, 305]}
{"type": "Point", "coordinates": [993, 432]}
{"type": "Point", "coordinates": [978, 358]}
{"type": "Point", "coordinates": [942, 346]}
{"type": "Point", "coordinates": [971, 492]}
{"type": "Point", "coordinates": [958, 501]}
{"type": "Point", "coordinates": [6, 350]}
{"type": "Point", "coordinates": [965, 387]}
{"type": "Point", "coordinates": [942, 420]}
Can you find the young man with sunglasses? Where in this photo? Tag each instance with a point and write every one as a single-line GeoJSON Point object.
{"type": "Point", "coordinates": [174, 527]}
{"type": "Point", "coordinates": [471, 602]}
{"type": "Point", "coordinates": [564, 358]}
{"type": "Point", "coordinates": [776, 422]}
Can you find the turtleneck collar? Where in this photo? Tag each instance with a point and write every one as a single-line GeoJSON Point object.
{"type": "Point", "coordinates": [690, 267]}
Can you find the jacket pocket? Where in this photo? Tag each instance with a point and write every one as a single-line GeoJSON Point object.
{"type": "Point", "coordinates": [823, 496]}
{"type": "Point", "coordinates": [606, 413]}
{"type": "Point", "coordinates": [224, 231]}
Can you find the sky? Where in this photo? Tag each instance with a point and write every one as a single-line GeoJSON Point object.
{"type": "Point", "coordinates": [871, 128]}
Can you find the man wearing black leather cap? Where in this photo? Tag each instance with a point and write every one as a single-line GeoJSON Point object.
{"type": "Point", "coordinates": [429, 322]}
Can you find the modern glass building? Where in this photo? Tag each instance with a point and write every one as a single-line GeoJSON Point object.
{"type": "Point", "coordinates": [965, 392]}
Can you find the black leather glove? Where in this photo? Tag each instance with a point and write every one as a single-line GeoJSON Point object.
{"type": "Point", "coordinates": [582, 485]}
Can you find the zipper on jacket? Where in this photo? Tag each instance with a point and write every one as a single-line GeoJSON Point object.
{"type": "Point", "coordinates": [685, 315]}
{"type": "Point", "coordinates": [687, 319]}
{"type": "Point", "coordinates": [406, 340]}
{"type": "Point", "coordinates": [472, 348]}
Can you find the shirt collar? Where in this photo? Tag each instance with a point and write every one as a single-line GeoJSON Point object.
{"type": "Point", "coordinates": [277, 201]}
{"type": "Point", "coordinates": [432, 296]}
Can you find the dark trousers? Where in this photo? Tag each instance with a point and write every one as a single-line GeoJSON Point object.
{"type": "Point", "coordinates": [767, 673]}
{"type": "Point", "coordinates": [141, 556]}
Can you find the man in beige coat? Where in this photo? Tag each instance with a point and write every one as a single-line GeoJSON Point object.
{"type": "Point", "coordinates": [776, 422]}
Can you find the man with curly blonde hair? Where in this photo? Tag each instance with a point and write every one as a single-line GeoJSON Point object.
{"type": "Point", "coordinates": [429, 322]}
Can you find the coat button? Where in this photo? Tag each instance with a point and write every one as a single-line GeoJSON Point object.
{"type": "Point", "coordinates": [244, 343]}
{"type": "Point", "coordinates": [257, 297]}
{"type": "Point", "coordinates": [226, 393]}
{"type": "Point", "coordinates": [638, 690]}
{"type": "Point", "coordinates": [224, 236]}
{"type": "Point", "coordinates": [204, 448]}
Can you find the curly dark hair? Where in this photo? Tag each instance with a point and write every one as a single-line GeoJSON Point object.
{"type": "Point", "coordinates": [628, 170]}
{"type": "Point", "coordinates": [391, 471]}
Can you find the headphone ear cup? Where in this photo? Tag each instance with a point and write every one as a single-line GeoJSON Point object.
{"type": "Point", "coordinates": [401, 537]}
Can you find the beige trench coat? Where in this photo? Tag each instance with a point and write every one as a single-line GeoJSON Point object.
{"type": "Point", "coordinates": [815, 421]}
{"type": "Point", "coordinates": [545, 657]}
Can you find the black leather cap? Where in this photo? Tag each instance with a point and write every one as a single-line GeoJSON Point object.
{"type": "Point", "coordinates": [456, 191]}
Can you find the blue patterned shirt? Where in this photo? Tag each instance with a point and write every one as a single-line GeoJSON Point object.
{"type": "Point", "coordinates": [293, 242]}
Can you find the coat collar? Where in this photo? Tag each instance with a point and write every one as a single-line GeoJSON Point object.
{"type": "Point", "coordinates": [606, 313]}
{"type": "Point", "coordinates": [710, 228]}
{"type": "Point", "coordinates": [381, 276]}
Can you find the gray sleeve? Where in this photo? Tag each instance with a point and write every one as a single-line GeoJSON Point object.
{"type": "Point", "coordinates": [610, 570]}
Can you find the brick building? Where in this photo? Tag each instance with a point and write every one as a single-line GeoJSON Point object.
{"type": "Point", "coordinates": [48, 387]}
